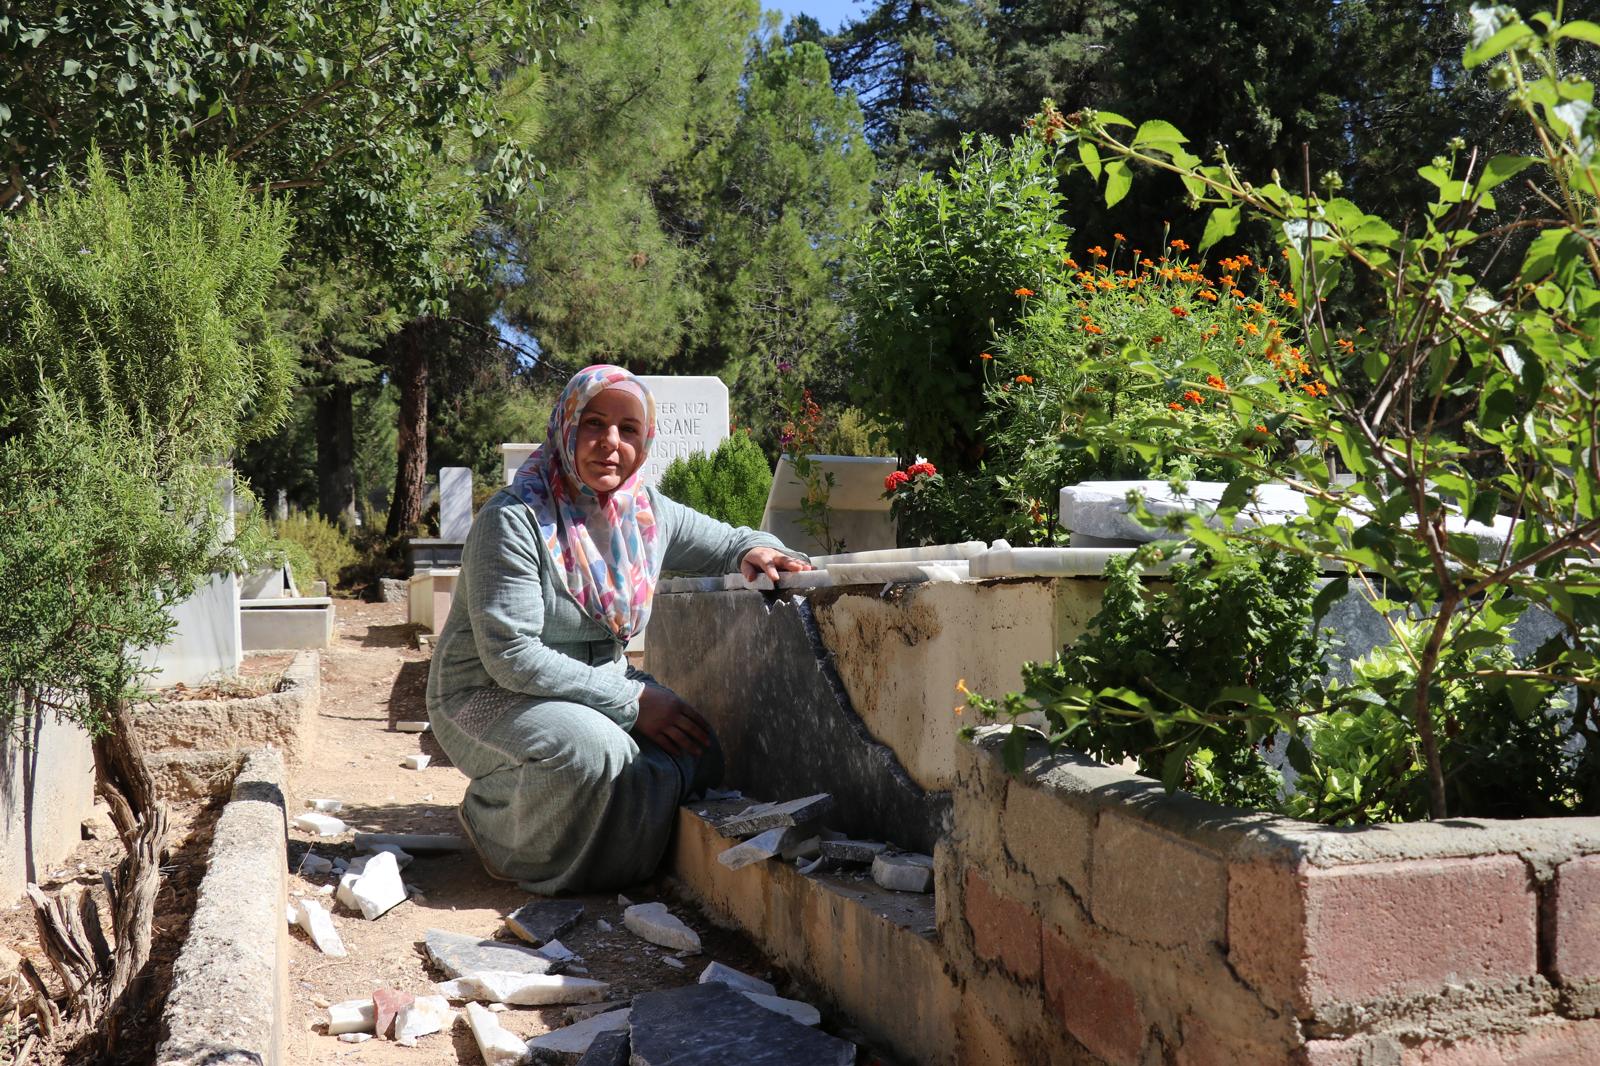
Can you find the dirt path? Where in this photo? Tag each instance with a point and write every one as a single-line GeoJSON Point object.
{"type": "Point", "coordinates": [372, 677]}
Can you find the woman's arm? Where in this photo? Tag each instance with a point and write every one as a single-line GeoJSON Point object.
{"type": "Point", "coordinates": [505, 601]}
{"type": "Point", "coordinates": [699, 544]}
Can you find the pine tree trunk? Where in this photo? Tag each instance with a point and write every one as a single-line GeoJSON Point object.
{"type": "Point", "coordinates": [336, 455]}
{"type": "Point", "coordinates": [411, 367]}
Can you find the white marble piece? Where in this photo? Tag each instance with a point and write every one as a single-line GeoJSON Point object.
{"type": "Point", "coordinates": [691, 416]}
{"type": "Point", "coordinates": [556, 951]}
{"type": "Point", "coordinates": [401, 856]}
{"type": "Point", "coordinates": [412, 727]}
{"type": "Point", "coordinates": [655, 923]}
{"type": "Point", "coordinates": [574, 1040]}
{"type": "Point", "coordinates": [904, 872]}
{"type": "Point", "coordinates": [318, 925]}
{"type": "Point", "coordinates": [927, 553]}
{"type": "Point", "coordinates": [523, 989]}
{"type": "Point", "coordinates": [425, 1015]}
{"type": "Point", "coordinates": [796, 579]}
{"type": "Point", "coordinates": [352, 1016]}
{"type": "Point", "coordinates": [455, 502]}
{"type": "Point", "coordinates": [880, 573]}
{"type": "Point", "coordinates": [323, 825]}
{"type": "Point", "coordinates": [326, 806]}
{"type": "Point", "coordinates": [804, 1013]}
{"type": "Point", "coordinates": [737, 980]}
{"type": "Point", "coordinates": [497, 1044]}
{"type": "Point", "coordinates": [416, 761]}
{"type": "Point", "coordinates": [378, 890]}
{"type": "Point", "coordinates": [1058, 562]}
{"type": "Point", "coordinates": [758, 848]}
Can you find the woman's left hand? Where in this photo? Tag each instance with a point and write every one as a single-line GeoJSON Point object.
{"type": "Point", "coordinates": [769, 561]}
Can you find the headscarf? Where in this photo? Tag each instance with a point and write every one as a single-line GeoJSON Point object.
{"type": "Point", "coordinates": [605, 547]}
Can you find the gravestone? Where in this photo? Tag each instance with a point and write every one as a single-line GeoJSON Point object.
{"type": "Point", "coordinates": [455, 502]}
{"type": "Point", "coordinates": [513, 455]}
{"type": "Point", "coordinates": [858, 515]}
{"type": "Point", "coordinates": [691, 416]}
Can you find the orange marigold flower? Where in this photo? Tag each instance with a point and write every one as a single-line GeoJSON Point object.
{"type": "Point", "coordinates": [1023, 292]}
{"type": "Point", "coordinates": [1175, 405]}
{"type": "Point", "coordinates": [1207, 294]}
{"type": "Point", "coordinates": [1090, 327]}
{"type": "Point", "coordinates": [1289, 298]}
{"type": "Point", "coordinates": [1097, 251]}
{"type": "Point", "coordinates": [1238, 294]}
{"type": "Point", "coordinates": [1181, 312]}
{"type": "Point", "coordinates": [1261, 429]}
{"type": "Point", "coordinates": [1252, 329]}
{"type": "Point", "coordinates": [1178, 245]}
{"type": "Point", "coordinates": [1216, 382]}
{"type": "Point", "coordinates": [1119, 272]}
{"type": "Point", "coordinates": [1322, 389]}
{"type": "Point", "coordinates": [1147, 262]}
{"type": "Point", "coordinates": [1107, 284]}
{"type": "Point", "coordinates": [1345, 345]}
{"type": "Point", "coordinates": [1024, 379]}
{"type": "Point", "coordinates": [1118, 237]}
{"type": "Point", "coordinates": [1194, 397]}
{"type": "Point", "coordinates": [1158, 339]}
{"type": "Point", "coordinates": [985, 355]}
{"type": "Point", "coordinates": [1070, 263]}
{"type": "Point", "coordinates": [1309, 390]}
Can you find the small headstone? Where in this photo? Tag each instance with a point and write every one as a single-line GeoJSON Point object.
{"type": "Point", "coordinates": [425, 1015]}
{"type": "Point", "coordinates": [737, 980]}
{"type": "Point", "coordinates": [904, 873]}
{"type": "Point", "coordinates": [497, 1045]}
{"type": "Point", "coordinates": [854, 852]}
{"type": "Point", "coordinates": [763, 816]}
{"type": "Point", "coordinates": [387, 1004]}
{"type": "Point", "coordinates": [543, 920]}
{"type": "Point", "coordinates": [691, 416]}
{"type": "Point", "coordinates": [457, 955]}
{"type": "Point", "coordinates": [608, 1049]}
{"type": "Point", "coordinates": [322, 825]}
{"type": "Point", "coordinates": [711, 1025]}
{"type": "Point", "coordinates": [351, 1016]}
{"type": "Point", "coordinates": [653, 922]}
{"type": "Point", "coordinates": [571, 1042]}
{"type": "Point", "coordinates": [455, 503]}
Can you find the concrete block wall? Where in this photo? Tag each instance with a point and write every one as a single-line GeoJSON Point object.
{"type": "Point", "coordinates": [46, 791]}
{"type": "Point", "coordinates": [1095, 919]}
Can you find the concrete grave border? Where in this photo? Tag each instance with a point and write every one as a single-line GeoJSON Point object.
{"type": "Point", "coordinates": [230, 981]}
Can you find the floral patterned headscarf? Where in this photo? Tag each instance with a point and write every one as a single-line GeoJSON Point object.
{"type": "Point", "coordinates": [604, 546]}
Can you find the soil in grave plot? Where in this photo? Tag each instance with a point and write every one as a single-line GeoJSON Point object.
{"type": "Point", "coordinates": [373, 677]}
{"type": "Point", "coordinates": [188, 843]}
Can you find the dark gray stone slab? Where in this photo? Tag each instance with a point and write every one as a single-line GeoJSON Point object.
{"type": "Point", "coordinates": [711, 1025]}
{"type": "Point", "coordinates": [414, 843]}
{"type": "Point", "coordinates": [855, 852]}
{"type": "Point", "coordinates": [608, 1049]}
{"type": "Point", "coordinates": [458, 955]}
{"type": "Point", "coordinates": [543, 920]}
{"type": "Point", "coordinates": [760, 817]}
{"type": "Point", "coordinates": [786, 729]}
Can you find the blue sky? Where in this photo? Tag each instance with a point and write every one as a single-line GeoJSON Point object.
{"type": "Point", "coordinates": [828, 12]}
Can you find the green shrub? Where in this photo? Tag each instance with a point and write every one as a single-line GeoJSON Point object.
{"type": "Point", "coordinates": [730, 484]}
{"type": "Point", "coordinates": [315, 548]}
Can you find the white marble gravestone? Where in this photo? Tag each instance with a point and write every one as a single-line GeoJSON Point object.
{"type": "Point", "coordinates": [691, 416]}
{"type": "Point", "coordinates": [858, 514]}
{"type": "Point", "coordinates": [455, 502]}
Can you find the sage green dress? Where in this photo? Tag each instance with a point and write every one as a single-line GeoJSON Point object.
{"type": "Point", "coordinates": [532, 699]}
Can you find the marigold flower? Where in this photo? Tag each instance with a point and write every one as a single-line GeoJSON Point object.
{"type": "Point", "coordinates": [1252, 329]}
{"type": "Point", "coordinates": [1175, 405]}
{"type": "Point", "coordinates": [1216, 382]}
{"type": "Point", "coordinates": [1181, 312]}
{"type": "Point", "coordinates": [1158, 339]}
{"type": "Point", "coordinates": [1289, 298]}
{"type": "Point", "coordinates": [1237, 294]}
{"type": "Point", "coordinates": [1345, 345]}
{"type": "Point", "coordinates": [1097, 251]}
{"type": "Point", "coordinates": [895, 480]}
{"type": "Point", "coordinates": [1024, 379]}
{"type": "Point", "coordinates": [1023, 292]}
{"type": "Point", "coordinates": [1309, 390]}
{"type": "Point", "coordinates": [1261, 429]}
{"type": "Point", "coordinates": [1147, 262]}
{"type": "Point", "coordinates": [1322, 389]}
{"type": "Point", "coordinates": [1206, 294]}
{"type": "Point", "coordinates": [1178, 245]}
{"type": "Point", "coordinates": [961, 687]}
{"type": "Point", "coordinates": [1118, 237]}
{"type": "Point", "coordinates": [985, 355]}
{"type": "Point", "coordinates": [1193, 397]}
{"type": "Point", "coordinates": [1070, 263]}
{"type": "Point", "coordinates": [1090, 327]}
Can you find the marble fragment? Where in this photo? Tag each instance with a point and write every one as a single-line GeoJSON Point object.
{"type": "Point", "coordinates": [655, 923]}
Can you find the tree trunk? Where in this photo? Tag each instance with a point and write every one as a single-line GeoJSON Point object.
{"type": "Point", "coordinates": [410, 366]}
{"type": "Point", "coordinates": [336, 455]}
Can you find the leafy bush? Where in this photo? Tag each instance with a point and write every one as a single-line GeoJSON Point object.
{"type": "Point", "coordinates": [730, 484]}
{"type": "Point", "coordinates": [315, 548]}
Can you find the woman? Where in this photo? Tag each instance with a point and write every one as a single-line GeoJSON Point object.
{"type": "Point", "coordinates": [578, 762]}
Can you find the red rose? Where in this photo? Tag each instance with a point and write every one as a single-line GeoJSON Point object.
{"type": "Point", "coordinates": [895, 480]}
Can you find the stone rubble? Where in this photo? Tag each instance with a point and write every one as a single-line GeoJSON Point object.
{"type": "Point", "coordinates": [498, 1045]}
{"type": "Point", "coordinates": [412, 727]}
{"type": "Point", "coordinates": [580, 1011]}
{"type": "Point", "coordinates": [571, 1042]}
{"type": "Point", "coordinates": [904, 872]}
{"type": "Point", "coordinates": [608, 1049]}
{"type": "Point", "coordinates": [401, 856]}
{"type": "Point", "coordinates": [763, 816]}
{"type": "Point", "coordinates": [798, 850]}
{"type": "Point", "coordinates": [655, 923]}
{"type": "Point", "coordinates": [712, 1025]}
{"type": "Point", "coordinates": [323, 825]}
{"type": "Point", "coordinates": [387, 1004]}
{"type": "Point", "coordinates": [351, 1016]}
{"type": "Point", "coordinates": [802, 1012]}
{"type": "Point", "coordinates": [676, 964]}
{"type": "Point", "coordinates": [315, 865]}
{"type": "Point", "coordinates": [544, 920]}
{"type": "Point", "coordinates": [458, 955]}
{"type": "Point", "coordinates": [523, 989]}
{"type": "Point", "coordinates": [355, 1038]}
{"type": "Point", "coordinates": [556, 951]}
{"type": "Point", "coordinates": [760, 847]}
{"type": "Point", "coordinates": [416, 761]}
{"type": "Point", "coordinates": [737, 980]}
{"type": "Point", "coordinates": [853, 852]}
{"type": "Point", "coordinates": [379, 890]}
{"type": "Point", "coordinates": [318, 925]}
{"type": "Point", "coordinates": [416, 843]}
{"type": "Point", "coordinates": [326, 806]}
{"type": "Point", "coordinates": [427, 1014]}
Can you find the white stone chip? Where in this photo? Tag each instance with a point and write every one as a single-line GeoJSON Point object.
{"type": "Point", "coordinates": [737, 980]}
{"type": "Point", "coordinates": [427, 1014]}
{"type": "Point", "coordinates": [315, 865]}
{"type": "Point", "coordinates": [653, 922]}
{"type": "Point", "coordinates": [497, 1045]}
{"type": "Point", "coordinates": [556, 951]}
{"type": "Point", "coordinates": [575, 1039]}
{"type": "Point", "coordinates": [676, 964]}
{"type": "Point", "coordinates": [318, 925]}
{"type": "Point", "coordinates": [326, 806]}
{"type": "Point", "coordinates": [523, 989]}
{"type": "Point", "coordinates": [411, 727]}
{"type": "Point", "coordinates": [804, 1013]}
{"type": "Point", "coordinates": [757, 849]}
{"type": "Point", "coordinates": [497, 1007]}
{"type": "Point", "coordinates": [323, 825]}
{"type": "Point", "coordinates": [378, 890]}
{"type": "Point", "coordinates": [351, 1016]}
{"type": "Point", "coordinates": [355, 1038]}
{"type": "Point", "coordinates": [604, 926]}
{"type": "Point", "coordinates": [401, 856]}
{"type": "Point", "coordinates": [416, 761]}
{"type": "Point", "coordinates": [904, 873]}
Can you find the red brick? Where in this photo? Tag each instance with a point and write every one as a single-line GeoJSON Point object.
{"type": "Point", "coordinates": [1266, 919]}
{"type": "Point", "coordinates": [1099, 1009]}
{"type": "Point", "coordinates": [1204, 1045]}
{"type": "Point", "coordinates": [1154, 887]}
{"type": "Point", "coordinates": [1396, 927]}
{"type": "Point", "coordinates": [1003, 930]}
{"type": "Point", "coordinates": [1562, 1043]}
{"type": "Point", "coordinates": [1576, 920]}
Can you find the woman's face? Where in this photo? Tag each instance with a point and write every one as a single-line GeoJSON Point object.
{"type": "Point", "coordinates": [611, 435]}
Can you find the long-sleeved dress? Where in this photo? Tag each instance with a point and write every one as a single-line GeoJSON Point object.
{"type": "Point", "coordinates": [532, 699]}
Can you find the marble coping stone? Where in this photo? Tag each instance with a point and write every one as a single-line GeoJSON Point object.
{"type": "Point", "coordinates": [282, 603]}
{"type": "Point", "coordinates": [928, 553]}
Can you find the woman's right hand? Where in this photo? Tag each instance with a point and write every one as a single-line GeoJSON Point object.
{"type": "Point", "coordinates": [676, 727]}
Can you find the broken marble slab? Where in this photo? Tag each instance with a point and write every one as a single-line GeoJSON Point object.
{"type": "Point", "coordinates": [655, 923]}
{"type": "Point", "coordinates": [458, 954]}
{"type": "Point", "coordinates": [556, 951]}
{"type": "Point", "coordinates": [323, 825]}
{"type": "Point", "coordinates": [571, 1042]}
{"type": "Point", "coordinates": [609, 1049]}
{"type": "Point", "coordinates": [904, 872]}
{"type": "Point", "coordinates": [388, 1003]}
{"type": "Point", "coordinates": [854, 852]}
{"type": "Point", "coordinates": [712, 1025]}
{"type": "Point", "coordinates": [318, 925]}
{"type": "Point", "coordinates": [579, 1011]}
{"type": "Point", "coordinates": [760, 817]}
{"type": "Point", "coordinates": [737, 980]}
{"type": "Point", "coordinates": [412, 727]}
{"type": "Point", "coordinates": [424, 1015]}
{"type": "Point", "coordinates": [355, 1038]}
{"type": "Point", "coordinates": [497, 1044]}
{"type": "Point", "coordinates": [802, 1012]}
{"type": "Point", "coordinates": [544, 920]}
{"type": "Point", "coordinates": [351, 1016]}
{"type": "Point", "coordinates": [378, 890]}
{"type": "Point", "coordinates": [762, 846]}
{"type": "Point", "coordinates": [416, 761]}
{"type": "Point", "coordinates": [524, 989]}
{"type": "Point", "coordinates": [401, 856]}
{"type": "Point", "coordinates": [416, 843]}
{"type": "Point", "coordinates": [800, 847]}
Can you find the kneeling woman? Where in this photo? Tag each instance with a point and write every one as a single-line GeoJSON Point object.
{"type": "Point", "coordinates": [578, 762]}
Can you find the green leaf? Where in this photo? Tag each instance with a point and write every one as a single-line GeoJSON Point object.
{"type": "Point", "coordinates": [1508, 37]}
{"type": "Point", "coordinates": [69, 67]}
{"type": "Point", "coordinates": [1500, 169]}
{"type": "Point", "coordinates": [1222, 223]}
{"type": "Point", "coordinates": [1335, 590]}
{"type": "Point", "coordinates": [1581, 30]}
{"type": "Point", "coordinates": [1299, 756]}
{"type": "Point", "coordinates": [1091, 158]}
{"type": "Point", "coordinates": [1119, 179]}
{"type": "Point", "coordinates": [1174, 768]}
{"type": "Point", "coordinates": [1157, 134]}
{"type": "Point", "coordinates": [1111, 118]}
